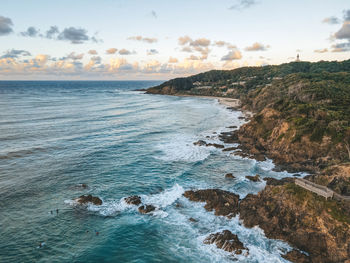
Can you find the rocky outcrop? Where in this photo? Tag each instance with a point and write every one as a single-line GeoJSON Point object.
{"type": "Point", "coordinates": [203, 143]}
{"type": "Point", "coordinates": [308, 222]}
{"type": "Point", "coordinates": [227, 241]}
{"type": "Point", "coordinates": [255, 178]}
{"type": "Point", "coordinates": [145, 209]}
{"type": "Point", "coordinates": [85, 199]}
{"type": "Point", "coordinates": [133, 200]}
{"type": "Point", "coordinates": [223, 202]}
{"type": "Point", "coordinates": [273, 181]}
{"type": "Point", "coordinates": [229, 176]}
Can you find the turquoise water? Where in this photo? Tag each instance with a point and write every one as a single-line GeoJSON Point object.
{"type": "Point", "coordinates": [57, 135]}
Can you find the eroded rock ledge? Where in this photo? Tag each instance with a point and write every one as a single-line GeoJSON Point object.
{"type": "Point", "coordinates": [227, 241]}
{"type": "Point", "coordinates": [285, 211]}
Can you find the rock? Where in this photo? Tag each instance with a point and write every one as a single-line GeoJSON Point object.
{"type": "Point", "coordinates": [241, 118]}
{"type": "Point", "coordinates": [273, 181]}
{"type": "Point", "coordinates": [297, 257]}
{"type": "Point", "coordinates": [216, 145]}
{"type": "Point", "coordinates": [145, 209]}
{"type": "Point", "coordinates": [223, 202]}
{"type": "Point", "coordinates": [200, 143]}
{"type": "Point", "coordinates": [229, 176]}
{"type": "Point", "coordinates": [302, 219]}
{"type": "Point", "coordinates": [133, 200]}
{"type": "Point", "coordinates": [229, 149]}
{"type": "Point", "coordinates": [255, 178]}
{"type": "Point", "coordinates": [227, 241]}
{"type": "Point", "coordinates": [232, 127]}
{"type": "Point", "coordinates": [193, 220]}
{"type": "Point", "coordinates": [84, 199]}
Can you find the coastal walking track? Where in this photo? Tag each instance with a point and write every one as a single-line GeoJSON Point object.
{"type": "Point", "coordinates": [320, 190]}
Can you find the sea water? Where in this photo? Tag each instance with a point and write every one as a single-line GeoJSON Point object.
{"type": "Point", "coordinates": [56, 136]}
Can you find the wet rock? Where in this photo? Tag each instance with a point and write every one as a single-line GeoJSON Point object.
{"type": "Point", "coordinates": [297, 257]}
{"type": "Point", "coordinates": [84, 199]}
{"type": "Point", "coordinates": [232, 127]}
{"type": "Point", "coordinates": [193, 220]}
{"type": "Point", "coordinates": [145, 209]}
{"type": "Point", "coordinates": [229, 149]}
{"type": "Point", "coordinates": [241, 118]}
{"type": "Point", "coordinates": [223, 202]}
{"type": "Point", "coordinates": [229, 176]}
{"type": "Point", "coordinates": [273, 181]}
{"type": "Point", "coordinates": [200, 143]}
{"type": "Point", "coordinates": [255, 178]}
{"type": "Point", "coordinates": [227, 241]}
{"type": "Point", "coordinates": [216, 145]}
{"type": "Point", "coordinates": [133, 200]}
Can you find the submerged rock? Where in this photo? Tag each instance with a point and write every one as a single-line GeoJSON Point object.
{"type": "Point", "coordinates": [133, 200]}
{"type": "Point", "coordinates": [223, 202]}
{"type": "Point", "coordinates": [193, 220]}
{"type": "Point", "coordinates": [227, 241]}
{"type": "Point", "coordinates": [84, 199]}
{"type": "Point", "coordinates": [229, 176]}
{"type": "Point", "coordinates": [200, 143]}
{"type": "Point", "coordinates": [255, 178]}
{"type": "Point", "coordinates": [145, 209]}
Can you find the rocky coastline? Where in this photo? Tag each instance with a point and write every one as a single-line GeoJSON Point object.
{"type": "Point", "coordinates": [317, 229]}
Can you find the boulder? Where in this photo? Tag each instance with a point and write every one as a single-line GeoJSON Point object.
{"type": "Point", "coordinates": [84, 199]}
{"type": "Point", "coordinates": [229, 176]}
{"type": "Point", "coordinates": [273, 181]}
{"type": "Point", "coordinates": [133, 200]}
{"type": "Point", "coordinates": [200, 143]}
{"type": "Point", "coordinates": [145, 209]}
{"type": "Point", "coordinates": [227, 241]}
{"type": "Point", "coordinates": [255, 178]}
{"type": "Point", "coordinates": [193, 220]}
{"type": "Point", "coordinates": [223, 202]}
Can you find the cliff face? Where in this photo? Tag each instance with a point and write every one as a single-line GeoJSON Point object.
{"type": "Point", "coordinates": [301, 121]}
{"type": "Point", "coordinates": [308, 222]}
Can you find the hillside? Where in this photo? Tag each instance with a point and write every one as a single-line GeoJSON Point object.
{"type": "Point", "coordinates": [302, 109]}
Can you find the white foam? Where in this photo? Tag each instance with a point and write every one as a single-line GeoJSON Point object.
{"type": "Point", "coordinates": [181, 148]}
{"type": "Point", "coordinates": [165, 198]}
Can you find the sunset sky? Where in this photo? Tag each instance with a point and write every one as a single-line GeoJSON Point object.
{"type": "Point", "coordinates": [134, 39]}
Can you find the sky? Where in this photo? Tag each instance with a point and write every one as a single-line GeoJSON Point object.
{"type": "Point", "coordinates": [160, 39]}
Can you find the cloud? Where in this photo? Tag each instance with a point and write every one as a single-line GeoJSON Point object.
{"type": "Point", "coordinates": [92, 52]}
{"type": "Point", "coordinates": [344, 31]}
{"type": "Point", "coordinates": [243, 4]}
{"type": "Point", "coordinates": [15, 53]}
{"type": "Point", "coordinates": [221, 43]}
{"type": "Point", "coordinates": [30, 32]}
{"type": "Point", "coordinates": [321, 50]}
{"type": "Point", "coordinates": [187, 49]}
{"type": "Point", "coordinates": [193, 57]}
{"type": "Point", "coordinates": [341, 47]}
{"type": "Point", "coordinates": [152, 52]}
{"type": "Point", "coordinates": [173, 60]}
{"type": "Point", "coordinates": [74, 35]}
{"type": "Point", "coordinates": [125, 52]}
{"type": "Point", "coordinates": [257, 47]}
{"type": "Point", "coordinates": [184, 40]}
{"type": "Point", "coordinates": [332, 20]}
{"type": "Point", "coordinates": [75, 56]}
{"type": "Point", "coordinates": [111, 51]}
{"type": "Point", "coordinates": [200, 42]}
{"type": "Point", "coordinates": [5, 26]}
{"type": "Point", "coordinates": [154, 14]}
{"type": "Point", "coordinates": [52, 32]}
{"type": "Point", "coordinates": [232, 55]}
{"type": "Point", "coordinates": [144, 39]}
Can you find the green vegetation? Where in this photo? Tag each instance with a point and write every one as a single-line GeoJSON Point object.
{"type": "Point", "coordinates": [314, 98]}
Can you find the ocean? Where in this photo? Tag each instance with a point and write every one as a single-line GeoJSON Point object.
{"type": "Point", "coordinates": [57, 135]}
